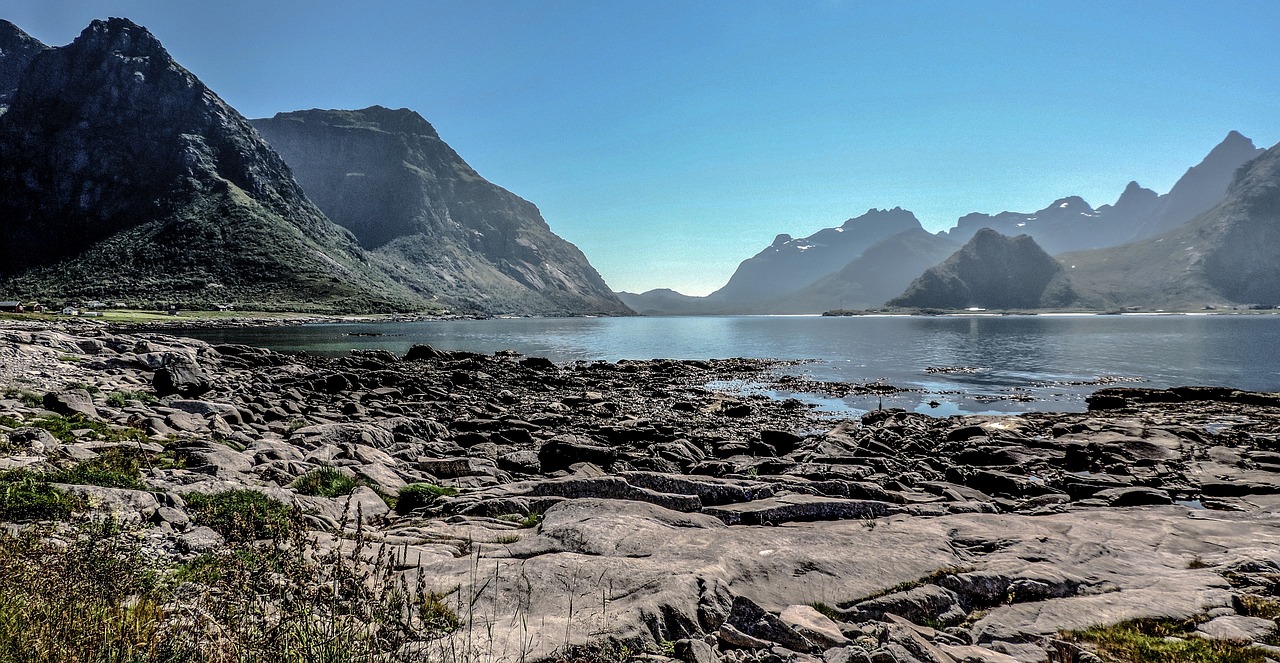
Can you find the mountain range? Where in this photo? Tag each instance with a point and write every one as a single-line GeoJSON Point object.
{"type": "Point", "coordinates": [1100, 245]}
{"type": "Point", "coordinates": [123, 177]}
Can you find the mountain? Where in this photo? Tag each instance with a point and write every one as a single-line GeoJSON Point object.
{"type": "Point", "coordinates": [1203, 186]}
{"type": "Point", "coordinates": [871, 279]}
{"type": "Point", "coordinates": [665, 301]}
{"type": "Point", "coordinates": [992, 271]}
{"type": "Point", "coordinates": [17, 50]}
{"type": "Point", "coordinates": [387, 176]}
{"type": "Point", "coordinates": [790, 264]}
{"type": "Point", "coordinates": [1226, 255]}
{"type": "Point", "coordinates": [123, 176]}
{"type": "Point", "coordinates": [1071, 224]}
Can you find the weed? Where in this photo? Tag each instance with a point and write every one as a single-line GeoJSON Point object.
{"type": "Point", "coordinates": [28, 495]}
{"type": "Point", "coordinates": [64, 428]}
{"type": "Point", "coordinates": [508, 539]}
{"type": "Point", "coordinates": [115, 467]}
{"type": "Point", "coordinates": [525, 522]}
{"type": "Point", "coordinates": [326, 482]}
{"type": "Point", "coordinates": [827, 611]}
{"type": "Point", "coordinates": [1252, 605]}
{"type": "Point", "coordinates": [417, 495]}
{"type": "Point", "coordinates": [28, 397]}
{"type": "Point", "coordinates": [1161, 641]}
{"type": "Point", "coordinates": [1197, 563]}
{"type": "Point", "coordinates": [242, 515]}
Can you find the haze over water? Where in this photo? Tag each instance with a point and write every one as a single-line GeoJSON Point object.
{"type": "Point", "coordinates": [1022, 363]}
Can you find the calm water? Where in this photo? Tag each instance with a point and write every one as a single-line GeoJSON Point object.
{"type": "Point", "coordinates": [1010, 358]}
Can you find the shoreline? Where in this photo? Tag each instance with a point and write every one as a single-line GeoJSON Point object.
{"type": "Point", "coordinates": [633, 479]}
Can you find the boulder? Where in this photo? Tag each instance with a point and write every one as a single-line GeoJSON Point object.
{"type": "Point", "coordinates": [71, 402]}
{"type": "Point", "coordinates": [181, 375]}
{"type": "Point", "coordinates": [922, 605]}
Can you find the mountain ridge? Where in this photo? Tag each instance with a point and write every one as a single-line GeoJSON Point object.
{"type": "Point", "coordinates": [387, 176]}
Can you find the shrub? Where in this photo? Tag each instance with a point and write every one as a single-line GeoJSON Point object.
{"type": "Point", "coordinates": [115, 467]}
{"type": "Point", "coordinates": [242, 515]}
{"type": "Point", "coordinates": [417, 495]}
{"type": "Point", "coordinates": [27, 495]}
{"type": "Point", "coordinates": [92, 600]}
{"type": "Point", "coordinates": [326, 482]}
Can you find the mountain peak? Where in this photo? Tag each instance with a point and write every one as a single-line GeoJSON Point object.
{"type": "Point", "coordinates": [879, 216]}
{"type": "Point", "coordinates": [1236, 138]}
{"type": "Point", "coordinates": [120, 35]}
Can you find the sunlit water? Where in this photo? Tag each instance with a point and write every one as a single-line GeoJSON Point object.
{"type": "Point", "coordinates": [1011, 358]}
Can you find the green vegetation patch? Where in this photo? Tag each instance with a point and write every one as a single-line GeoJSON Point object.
{"type": "Point", "coordinates": [28, 495]}
{"type": "Point", "coordinates": [242, 515]}
{"type": "Point", "coordinates": [326, 482]}
{"type": "Point", "coordinates": [1160, 641]}
{"type": "Point", "coordinates": [63, 428]}
{"type": "Point", "coordinates": [94, 599]}
{"type": "Point", "coordinates": [115, 467]}
{"type": "Point", "coordinates": [417, 495]}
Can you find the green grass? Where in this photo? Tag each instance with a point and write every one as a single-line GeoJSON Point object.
{"type": "Point", "coordinates": [242, 515]}
{"type": "Point", "coordinates": [28, 397]}
{"type": "Point", "coordinates": [1160, 641]}
{"type": "Point", "coordinates": [115, 467]}
{"type": "Point", "coordinates": [531, 520]}
{"type": "Point", "coordinates": [417, 495]}
{"type": "Point", "coordinates": [326, 482]}
{"type": "Point", "coordinates": [63, 428]}
{"type": "Point", "coordinates": [122, 398]}
{"type": "Point", "coordinates": [28, 495]}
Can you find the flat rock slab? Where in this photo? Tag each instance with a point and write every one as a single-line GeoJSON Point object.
{"type": "Point", "coordinates": [673, 575]}
{"type": "Point", "coordinates": [1236, 628]}
{"type": "Point", "coordinates": [800, 508]}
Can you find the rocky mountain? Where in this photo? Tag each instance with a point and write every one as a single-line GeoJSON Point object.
{"type": "Point", "coordinates": [880, 273]}
{"type": "Point", "coordinates": [1201, 187]}
{"type": "Point", "coordinates": [17, 50]}
{"type": "Point", "coordinates": [123, 176]}
{"type": "Point", "coordinates": [1071, 224]}
{"type": "Point", "coordinates": [790, 264]}
{"type": "Point", "coordinates": [665, 301]}
{"type": "Point", "coordinates": [408, 197]}
{"type": "Point", "coordinates": [1226, 255]}
{"type": "Point", "coordinates": [992, 271]}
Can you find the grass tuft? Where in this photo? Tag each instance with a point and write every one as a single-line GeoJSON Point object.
{"type": "Point", "coordinates": [1161, 641]}
{"type": "Point", "coordinates": [417, 495]}
{"type": "Point", "coordinates": [326, 482]}
{"type": "Point", "coordinates": [242, 515]}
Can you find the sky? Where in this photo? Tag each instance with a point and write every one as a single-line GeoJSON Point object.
{"type": "Point", "coordinates": [670, 140]}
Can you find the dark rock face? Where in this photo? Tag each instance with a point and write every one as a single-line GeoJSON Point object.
{"type": "Point", "coordinates": [992, 271]}
{"type": "Point", "coordinates": [790, 264]}
{"type": "Point", "coordinates": [17, 50]}
{"type": "Point", "coordinates": [124, 176]}
{"type": "Point", "coordinates": [881, 272]}
{"type": "Point", "coordinates": [1224, 256]}
{"type": "Point", "coordinates": [386, 176]}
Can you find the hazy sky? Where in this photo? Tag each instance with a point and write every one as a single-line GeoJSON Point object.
{"type": "Point", "coordinates": [672, 139]}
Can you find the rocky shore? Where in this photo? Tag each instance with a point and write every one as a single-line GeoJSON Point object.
{"type": "Point", "coordinates": [625, 509]}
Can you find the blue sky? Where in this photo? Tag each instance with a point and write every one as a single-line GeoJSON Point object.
{"type": "Point", "coordinates": [672, 139]}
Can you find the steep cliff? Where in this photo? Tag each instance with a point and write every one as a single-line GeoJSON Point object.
{"type": "Point", "coordinates": [123, 176]}
{"type": "Point", "coordinates": [387, 176]}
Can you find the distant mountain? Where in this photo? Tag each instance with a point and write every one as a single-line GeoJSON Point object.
{"type": "Point", "coordinates": [1201, 187]}
{"type": "Point", "coordinates": [790, 264]}
{"type": "Point", "coordinates": [386, 176]}
{"type": "Point", "coordinates": [17, 50]}
{"type": "Point", "coordinates": [992, 271]}
{"type": "Point", "coordinates": [1071, 224]}
{"type": "Point", "coordinates": [1226, 255]}
{"type": "Point", "coordinates": [123, 176]}
{"type": "Point", "coordinates": [665, 301]}
{"type": "Point", "coordinates": [880, 273]}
